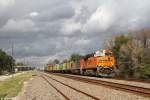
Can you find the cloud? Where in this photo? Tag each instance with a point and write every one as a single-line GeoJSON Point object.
{"type": "Point", "coordinates": [6, 3]}
{"type": "Point", "coordinates": [82, 42]}
{"type": "Point", "coordinates": [57, 28]}
{"type": "Point", "coordinates": [34, 14]}
{"type": "Point", "coordinates": [19, 26]}
{"type": "Point", "coordinates": [57, 13]}
{"type": "Point", "coordinates": [100, 20]}
{"type": "Point", "coordinates": [70, 26]}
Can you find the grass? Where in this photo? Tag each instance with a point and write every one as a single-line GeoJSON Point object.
{"type": "Point", "coordinates": [145, 71]}
{"type": "Point", "coordinates": [12, 86]}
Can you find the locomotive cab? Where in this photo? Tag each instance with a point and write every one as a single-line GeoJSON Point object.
{"type": "Point", "coordinates": [103, 53]}
{"type": "Point", "coordinates": [105, 62]}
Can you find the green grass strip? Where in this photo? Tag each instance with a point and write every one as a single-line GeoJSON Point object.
{"type": "Point", "coordinates": [12, 86]}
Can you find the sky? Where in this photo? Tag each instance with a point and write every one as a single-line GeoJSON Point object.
{"type": "Point", "coordinates": [42, 30]}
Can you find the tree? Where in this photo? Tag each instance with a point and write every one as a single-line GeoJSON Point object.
{"type": "Point", "coordinates": [132, 52]}
{"type": "Point", "coordinates": [56, 61]}
{"type": "Point", "coordinates": [6, 62]}
{"type": "Point", "coordinates": [19, 64]}
{"type": "Point", "coordinates": [143, 36]}
{"type": "Point", "coordinates": [141, 53]}
{"type": "Point", "coordinates": [64, 61]}
{"type": "Point", "coordinates": [117, 43]}
{"type": "Point", "coordinates": [126, 62]}
{"type": "Point", "coordinates": [74, 57]}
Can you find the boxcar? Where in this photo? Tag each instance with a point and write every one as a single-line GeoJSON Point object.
{"type": "Point", "coordinates": [77, 64]}
{"type": "Point", "coordinates": [64, 66]}
{"type": "Point", "coordinates": [68, 65]}
{"type": "Point", "coordinates": [54, 68]}
{"type": "Point", "coordinates": [71, 65]}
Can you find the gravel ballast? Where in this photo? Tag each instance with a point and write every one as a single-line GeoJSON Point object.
{"type": "Point", "coordinates": [39, 89]}
{"type": "Point", "coordinates": [103, 93]}
{"type": "Point", "coordinates": [72, 94]}
{"type": "Point", "coordinates": [139, 84]}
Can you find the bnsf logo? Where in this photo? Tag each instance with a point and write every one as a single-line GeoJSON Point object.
{"type": "Point", "coordinates": [105, 60]}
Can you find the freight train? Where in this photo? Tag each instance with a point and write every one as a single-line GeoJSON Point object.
{"type": "Point", "coordinates": [100, 63]}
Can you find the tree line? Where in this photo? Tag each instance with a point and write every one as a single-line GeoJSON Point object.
{"type": "Point", "coordinates": [7, 62]}
{"type": "Point", "coordinates": [132, 53]}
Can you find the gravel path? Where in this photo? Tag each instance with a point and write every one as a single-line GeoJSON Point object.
{"type": "Point", "coordinates": [99, 91]}
{"type": "Point", "coordinates": [3, 77]}
{"type": "Point", "coordinates": [38, 89]}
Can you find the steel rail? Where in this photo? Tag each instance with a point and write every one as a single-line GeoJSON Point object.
{"type": "Point", "coordinates": [89, 95]}
{"type": "Point", "coordinates": [55, 88]}
{"type": "Point", "coordinates": [117, 86]}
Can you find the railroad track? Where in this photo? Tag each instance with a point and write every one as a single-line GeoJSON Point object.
{"type": "Point", "coordinates": [129, 79]}
{"type": "Point", "coordinates": [134, 80]}
{"type": "Point", "coordinates": [118, 86]}
{"type": "Point", "coordinates": [55, 88]}
{"type": "Point", "coordinates": [61, 92]}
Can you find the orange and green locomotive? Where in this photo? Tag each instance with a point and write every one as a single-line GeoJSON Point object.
{"type": "Point", "coordinates": [101, 63]}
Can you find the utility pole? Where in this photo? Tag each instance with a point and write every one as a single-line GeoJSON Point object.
{"type": "Point", "coordinates": [12, 51]}
{"type": "Point", "coordinates": [12, 54]}
{"type": "Point", "coordinates": [24, 61]}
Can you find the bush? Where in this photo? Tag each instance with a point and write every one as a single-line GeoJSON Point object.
{"type": "Point", "coordinates": [143, 72]}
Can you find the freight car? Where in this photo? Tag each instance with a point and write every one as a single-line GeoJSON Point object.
{"type": "Point", "coordinates": [99, 63]}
